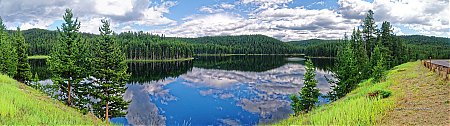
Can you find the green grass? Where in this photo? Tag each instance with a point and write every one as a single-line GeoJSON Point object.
{"type": "Point", "coordinates": [164, 60]}
{"type": "Point", "coordinates": [38, 57]}
{"type": "Point", "coordinates": [23, 105]}
{"type": "Point", "coordinates": [356, 108]}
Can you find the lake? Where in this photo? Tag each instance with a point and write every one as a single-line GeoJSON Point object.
{"type": "Point", "coordinates": [214, 90]}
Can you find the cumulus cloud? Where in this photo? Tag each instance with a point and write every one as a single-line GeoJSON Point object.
{"type": "Point", "coordinates": [217, 8]}
{"type": "Point", "coordinates": [273, 18]}
{"type": "Point", "coordinates": [282, 23]}
{"type": "Point", "coordinates": [113, 7]}
{"type": "Point", "coordinates": [429, 17]}
{"type": "Point", "coordinates": [210, 9]}
{"type": "Point", "coordinates": [41, 14]}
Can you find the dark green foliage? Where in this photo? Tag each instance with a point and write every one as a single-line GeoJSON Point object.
{"type": "Point", "coordinates": [360, 54]}
{"type": "Point", "coordinates": [317, 47]}
{"type": "Point", "coordinates": [145, 46]}
{"type": "Point", "coordinates": [414, 47]}
{"type": "Point", "coordinates": [379, 94]}
{"type": "Point", "coordinates": [40, 41]}
{"type": "Point", "coordinates": [309, 94]}
{"type": "Point", "coordinates": [8, 54]}
{"type": "Point", "coordinates": [23, 67]}
{"type": "Point", "coordinates": [369, 32]}
{"type": "Point", "coordinates": [240, 63]}
{"type": "Point", "coordinates": [346, 73]}
{"type": "Point", "coordinates": [110, 72]}
{"type": "Point", "coordinates": [369, 55]}
{"type": "Point", "coordinates": [35, 82]}
{"type": "Point", "coordinates": [241, 44]}
{"type": "Point", "coordinates": [380, 64]}
{"type": "Point", "coordinates": [64, 59]}
{"type": "Point", "coordinates": [423, 47]}
{"type": "Point", "coordinates": [142, 72]}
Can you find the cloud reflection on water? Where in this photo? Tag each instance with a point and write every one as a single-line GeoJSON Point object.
{"type": "Point", "coordinates": [263, 93]}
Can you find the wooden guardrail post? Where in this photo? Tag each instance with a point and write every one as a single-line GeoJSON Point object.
{"type": "Point", "coordinates": [446, 73]}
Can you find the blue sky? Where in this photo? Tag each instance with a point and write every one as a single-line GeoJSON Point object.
{"type": "Point", "coordinates": [283, 19]}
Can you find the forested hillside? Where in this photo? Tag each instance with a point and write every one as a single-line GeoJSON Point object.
{"type": "Point", "coordinates": [317, 47]}
{"type": "Point", "coordinates": [421, 47]}
{"type": "Point", "coordinates": [418, 47]}
{"type": "Point", "coordinates": [241, 44]}
{"type": "Point", "coordinates": [146, 46]}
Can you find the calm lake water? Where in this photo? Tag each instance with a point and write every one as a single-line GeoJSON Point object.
{"type": "Point", "coordinates": [232, 90]}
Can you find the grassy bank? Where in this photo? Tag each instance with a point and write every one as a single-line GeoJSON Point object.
{"type": "Point", "coordinates": [249, 54]}
{"type": "Point", "coordinates": [357, 108]}
{"type": "Point", "coordinates": [38, 57]}
{"type": "Point", "coordinates": [164, 60]}
{"type": "Point", "coordinates": [20, 105]}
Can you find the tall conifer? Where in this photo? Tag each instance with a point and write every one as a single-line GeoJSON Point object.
{"type": "Point", "coordinates": [369, 31]}
{"type": "Point", "coordinates": [64, 59]}
{"type": "Point", "coordinates": [8, 54]}
{"type": "Point", "coordinates": [23, 67]}
{"type": "Point", "coordinates": [309, 94]}
{"type": "Point", "coordinates": [110, 74]}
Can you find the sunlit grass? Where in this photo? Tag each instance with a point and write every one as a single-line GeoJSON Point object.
{"type": "Point", "coordinates": [163, 60]}
{"type": "Point", "coordinates": [38, 57]}
{"type": "Point", "coordinates": [20, 104]}
{"type": "Point", "coordinates": [357, 108]}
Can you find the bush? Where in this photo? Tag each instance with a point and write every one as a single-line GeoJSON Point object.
{"type": "Point", "coordinates": [379, 93]}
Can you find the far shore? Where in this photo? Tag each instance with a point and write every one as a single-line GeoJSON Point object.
{"type": "Point", "coordinates": [248, 54]}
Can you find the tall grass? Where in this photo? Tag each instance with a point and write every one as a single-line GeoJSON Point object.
{"type": "Point", "coordinates": [20, 104]}
{"type": "Point", "coordinates": [356, 108]}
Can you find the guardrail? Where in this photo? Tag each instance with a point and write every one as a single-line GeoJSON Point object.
{"type": "Point", "coordinates": [442, 67]}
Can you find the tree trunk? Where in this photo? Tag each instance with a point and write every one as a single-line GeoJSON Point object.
{"type": "Point", "coordinates": [68, 93]}
{"type": "Point", "coordinates": [107, 114]}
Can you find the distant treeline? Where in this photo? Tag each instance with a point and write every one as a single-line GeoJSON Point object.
{"type": "Point", "coordinates": [241, 44]}
{"type": "Point", "coordinates": [146, 46]}
{"type": "Point", "coordinates": [418, 47]}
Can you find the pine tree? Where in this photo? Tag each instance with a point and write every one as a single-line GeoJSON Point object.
{"type": "Point", "coordinates": [23, 67]}
{"type": "Point", "coordinates": [35, 82]}
{"type": "Point", "coordinates": [309, 94]}
{"type": "Point", "coordinates": [346, 73]}
{"type": "Point", "coordinates": [369, 30]}
{"type": "Point", "coordinates": [8, 54]}
{"type": "Point", "coordinates": [360, 54]}
{"type": "Point", "coordinates": [379, 67]}
{"type": "Point", "coordinates": [64, 60]}
{"type": "Point", "coordinates": [110, 72]}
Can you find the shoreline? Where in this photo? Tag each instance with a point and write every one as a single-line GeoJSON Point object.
{"type": "Point", "coordinates": [249, 54]}
{"type": "Point", "coordinates": [164, 60]}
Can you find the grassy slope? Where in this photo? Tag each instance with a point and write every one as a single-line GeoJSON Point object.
{"type": "Point", "coordinates": [357, 109]}
{"type": "Point", "coordinates": [20, 104]}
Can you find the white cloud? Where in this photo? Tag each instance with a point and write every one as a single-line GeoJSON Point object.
{"type": "Point", "coordinates": [354, 9]}
{"type": "Point", "coordinates": [217, 8]}
{"type": "Point", "coordinates": [282, 23]}
{"type": "Point", "coordinates": [227, 6]}
{"type": "Point", "coordinates": [93, 24]}
{"type": "Point", "coordinates": [40, 14]}
{"type": "Point", "coordinates": [268, 17]}
{"type": "Point", "coordinates": [209, 9]}
{"type": "Point", "coordinates": [265, 1]}
{"type": "Point", "coordinates": [42, 24]}
{"type": "Point", "coordinates": [428, 17]}
{"type": "Point", "coordinates": [113, 7]}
